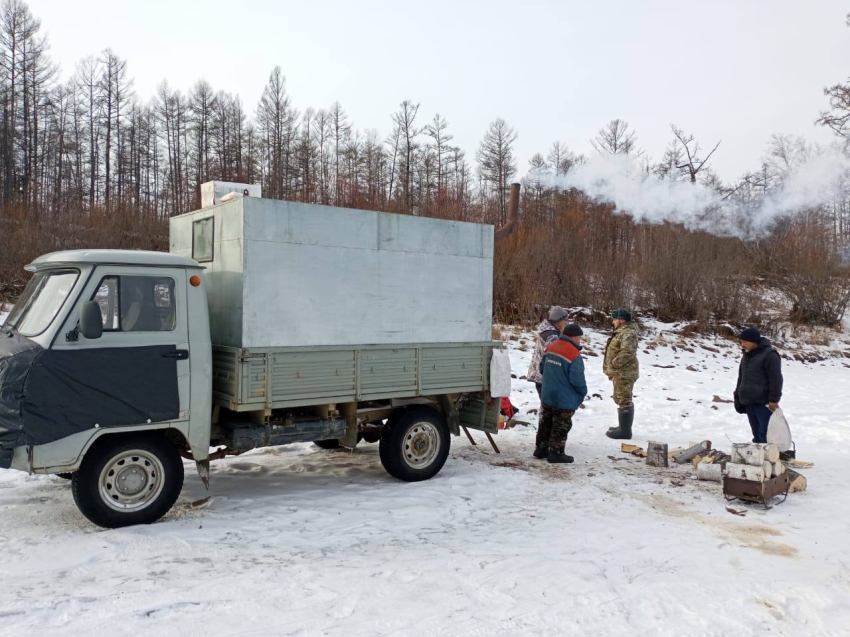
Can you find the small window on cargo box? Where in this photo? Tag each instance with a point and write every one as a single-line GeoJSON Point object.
{"type": "Point", "coordinates": [203, 231]}
{"type": "Point", "coordinates": [137, 304]}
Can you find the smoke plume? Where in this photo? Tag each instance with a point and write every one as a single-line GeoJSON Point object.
{"type": "Point", "coordinates": [746, 210]}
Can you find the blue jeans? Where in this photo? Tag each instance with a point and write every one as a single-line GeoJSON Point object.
{"type": "Point", "coordinates": [759, 416]}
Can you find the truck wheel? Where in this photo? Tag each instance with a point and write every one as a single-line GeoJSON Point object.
{"type": "Point", "coordinates": [126, 480]}
{"type": "Point", "coordinates": [414, 446]}
{"type": "Point", "coordinates": [333, 443]}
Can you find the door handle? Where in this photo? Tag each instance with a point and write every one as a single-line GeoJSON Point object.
{"type": "Point", "coordinates": [180, 354]}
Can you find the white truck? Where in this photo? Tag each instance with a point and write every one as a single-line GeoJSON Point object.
{"type": "Point", "coordinates": [269, 323]}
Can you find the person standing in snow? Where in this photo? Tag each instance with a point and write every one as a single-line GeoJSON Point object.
{"type": "Point", "coordinates": [547, 332]}
{"type": "Point", "coordinates": [621, 367]}
{"type": "Point", "coordinates": [760, 381]}
{"type": "Point", "coordinates": [564, 390]}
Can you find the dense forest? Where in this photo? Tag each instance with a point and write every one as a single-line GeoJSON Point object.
{"type": "Point", "coordinates": [87, 162]}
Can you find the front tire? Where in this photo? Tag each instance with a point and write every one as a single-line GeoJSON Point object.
{"type": "Point", "coordinates": [126, 480]}
{"type": "Point", "coordinates": [414, 446]}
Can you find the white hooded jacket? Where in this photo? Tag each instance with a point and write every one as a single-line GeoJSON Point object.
{"type": "Point", "coordinates": [545, 333]}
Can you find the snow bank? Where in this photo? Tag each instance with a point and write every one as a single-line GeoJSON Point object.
{"type": "Point", "coordinates": [300, 541]}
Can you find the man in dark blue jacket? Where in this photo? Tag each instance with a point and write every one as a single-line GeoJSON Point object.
{"type": "Point", "coordinates": [759, 385]}
{"type": "Point", "coordinates": [564, 390]}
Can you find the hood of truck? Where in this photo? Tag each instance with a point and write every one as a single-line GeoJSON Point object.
{"type": "Point", "coordinates": [17, 354]}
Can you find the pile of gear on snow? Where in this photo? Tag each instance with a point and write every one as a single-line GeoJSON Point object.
{"type": "Point", "coordinates": [753, 472]}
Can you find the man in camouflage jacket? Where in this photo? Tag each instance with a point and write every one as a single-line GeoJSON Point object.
{"type": "Point", "coordinates": [621, 367]}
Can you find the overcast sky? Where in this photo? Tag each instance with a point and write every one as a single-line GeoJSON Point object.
{"type": "Point", "coordinates": [732, 70]}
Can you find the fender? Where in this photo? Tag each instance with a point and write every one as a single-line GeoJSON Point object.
{"type": "Point", "coordinates": [66, 455]}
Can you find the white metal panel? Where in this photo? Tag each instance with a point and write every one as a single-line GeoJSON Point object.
{"type": "Point", "coordinates": [305, 224]}
{"type": "Point", "coordinates": [201, 366]}
{"type": "Point", "coordinates": [316, 275]}
{"type": "Point", "coordinates": [289, 274]}
{"type": "Point", "coordinates": [223, 277]}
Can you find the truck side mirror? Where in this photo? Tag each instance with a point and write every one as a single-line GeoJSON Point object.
{"type": "Point", "coordinates": [91, 320]}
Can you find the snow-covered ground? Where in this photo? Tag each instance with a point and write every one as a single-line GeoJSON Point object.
{"type": "Point", "coordinates": [4, 312]}
{"type": "Point", "coordinates": [300, 541]}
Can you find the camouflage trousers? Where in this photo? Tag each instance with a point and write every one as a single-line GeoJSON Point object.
{"type": "Point", "coordinates": [623, 388]}
{"type": "Point", "coordinates": [553, 427]}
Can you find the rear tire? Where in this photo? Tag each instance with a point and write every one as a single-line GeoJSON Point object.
{"type": "Point", "coordinates": [415, 444]}
{"type": "Point", "coordinates": [126, 480]}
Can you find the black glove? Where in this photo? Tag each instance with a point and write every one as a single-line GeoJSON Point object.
{"type": "Point", "coordinates": [738, 406]}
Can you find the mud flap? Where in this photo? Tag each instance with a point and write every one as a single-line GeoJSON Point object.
{"type": "Point", "coordinates": [451, 413]}
{"type": "Point", "coordinates": [203, 467]}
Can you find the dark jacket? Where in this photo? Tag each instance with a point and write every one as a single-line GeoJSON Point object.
{"type": "Point", "coordinates": [759, 376]}
{"type": "Point", "coordinates": [564, 386]}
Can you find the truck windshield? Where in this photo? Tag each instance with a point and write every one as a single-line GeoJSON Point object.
{"type": "Point", "coordinates": [41, 301]}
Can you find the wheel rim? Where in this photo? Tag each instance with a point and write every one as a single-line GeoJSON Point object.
{"type": "Point", "coordinates": [421, 445]}
{"type": "Point", "coordinates": [131, 480]}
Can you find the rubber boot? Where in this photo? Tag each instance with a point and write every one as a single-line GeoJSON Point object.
{"type": "Point", "coordinates": [541, 446]}
{"type": "Point", "coordinates": [541, 443]}
{"type": "Point", "coordinates": [624, 431]}
{"type": "Point", "coordinates": [559, 457]}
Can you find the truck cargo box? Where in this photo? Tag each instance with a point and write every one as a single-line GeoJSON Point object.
{"type": "Point", "coordinates": [284, 274]}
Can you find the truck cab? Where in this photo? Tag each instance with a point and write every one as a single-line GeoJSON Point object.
{"type": "Point", "coordinates": [104, 368]}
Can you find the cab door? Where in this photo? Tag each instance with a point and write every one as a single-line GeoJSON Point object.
{"type": "Point", "coordinates": [137, 372]}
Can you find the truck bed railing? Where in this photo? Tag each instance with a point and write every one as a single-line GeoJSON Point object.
{"type": "Point", "coordinates": [276, 378]}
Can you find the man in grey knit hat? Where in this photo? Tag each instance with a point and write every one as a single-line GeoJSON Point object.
{"type": "Point", "coordinates": [547, 332]}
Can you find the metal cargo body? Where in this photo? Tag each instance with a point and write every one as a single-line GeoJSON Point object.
{"type": "Point", "coordinates": [283, 274]}
{"type": "Point", "coordinates": [277, 378]}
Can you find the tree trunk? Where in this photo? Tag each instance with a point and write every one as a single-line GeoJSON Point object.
{"type": "Point", "coordinates": [746, 472]}
{"type": "Point", "coordinates": [711, 472]}
{"type": "Point", "coordinates": [798, 481]}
